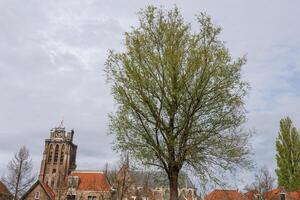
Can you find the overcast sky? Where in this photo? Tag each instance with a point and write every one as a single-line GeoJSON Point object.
{"type": "Point", "coordinates": [52, 56]}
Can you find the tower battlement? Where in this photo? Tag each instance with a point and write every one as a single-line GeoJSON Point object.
{"type": "Point", "coordinates": [60, 133]}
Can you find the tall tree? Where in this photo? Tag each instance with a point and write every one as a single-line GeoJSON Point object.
{"type": "Point", "coordinates": [288, 155]}
{"type": "Point", "coordinates": [180, 97]}
{"type": "Point", "coordinates": [19, 177]}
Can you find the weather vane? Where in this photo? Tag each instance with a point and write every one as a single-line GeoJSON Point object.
{"type": "Point", "coordinates": [61, 124]}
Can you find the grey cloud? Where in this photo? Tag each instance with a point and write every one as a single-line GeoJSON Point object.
{"type": "Point", "coordinates": [52, 56]}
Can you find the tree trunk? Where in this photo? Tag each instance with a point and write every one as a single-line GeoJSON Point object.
{"type": "Point", "coordinates": [18, 180]}
{"type": "Point", "coordinates": [173, 183]}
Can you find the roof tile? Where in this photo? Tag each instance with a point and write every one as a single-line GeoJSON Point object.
{"type": "Point", "coordinates": [92, 181]}
{"type": "Point", "coordinates": [225, 195]}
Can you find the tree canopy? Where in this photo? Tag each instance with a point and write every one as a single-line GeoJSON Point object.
{"type": "Point", "coordinates": [288, 155]}
{"type": "Point", "coordinates": [180, 97]}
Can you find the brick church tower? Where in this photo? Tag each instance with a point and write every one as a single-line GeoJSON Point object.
{"type": "Point", "coordinates": [59, 158]}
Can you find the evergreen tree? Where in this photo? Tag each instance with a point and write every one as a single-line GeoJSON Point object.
{"type": "Point", "coordinates": [288, 156]}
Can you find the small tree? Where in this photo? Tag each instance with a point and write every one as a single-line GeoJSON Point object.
{"type": "Point", "coordinates": [120, 179]}
{"type": "Point", "coordinates": [263, 182]}
{"type": "Point", "coordinates": [288, 155]}
{"type": "Point", "coordinates": [180, 97]}
{"type": "Point", "coordinates": [19, 177]}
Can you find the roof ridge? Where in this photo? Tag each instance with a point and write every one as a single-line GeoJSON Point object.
{"type": "Point", "coordinates": [87, 171]}
{"type": "Point", "coordinates": [236, 190]}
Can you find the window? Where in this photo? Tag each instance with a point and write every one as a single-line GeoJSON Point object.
{"type": "Point", "coordinates": [56, 154]}
{"type": "Point", "coordinates": [62, 154]}
{"type": "Point", "coordinates": [282, 196]}
{"type": "Point", "coordinates": [53, 171]}
{"type": "Point", "coordinates": [50, 153]}
{"type": "Point", "coordinates": [37, 195]}
{"type": "Point", "coordinates": [71, 197]}
{"type": "Point", "coordinates": [91, 197]}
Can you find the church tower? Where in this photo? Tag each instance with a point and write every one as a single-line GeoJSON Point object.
{"type": "Point", "coordinates": [59, 158]}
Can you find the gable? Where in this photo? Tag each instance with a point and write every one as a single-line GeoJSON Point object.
{"type": "Point", "coordinates": [44, 191]}
{"type": "Point", "coordinates": [32, 193]}
{"type": "Point", "coordinates": [3, 189]}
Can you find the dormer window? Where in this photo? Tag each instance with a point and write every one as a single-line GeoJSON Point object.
{"type": "Point", "coordinates": [37, 195]}
{"type": "Point", "coordinates": [282, 196]}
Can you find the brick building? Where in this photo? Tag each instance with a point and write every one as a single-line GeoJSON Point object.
{"type": "Point", "coordinates": [88, 185]}
{"type": "Point", "coordinates": [57, 173]}
{"type": "Point", "coordinates": [221, 194]}
{"type": "Point", "coordinates": [4, 192]}
{"type": "Point", "coordinates": [39, 190]}
{"type": "Point", "coordinates": [275, 194]}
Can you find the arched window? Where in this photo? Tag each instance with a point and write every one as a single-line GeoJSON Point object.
{"type": "Point", "coordinates": [50, 153]}
{"type": "Point", "coordinates": [62, 154]}
{"type": "Point", "coordinates": [56, 154]}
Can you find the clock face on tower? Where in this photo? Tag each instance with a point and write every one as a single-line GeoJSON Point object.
{"type": "Point", "coordinates": [58, 135]}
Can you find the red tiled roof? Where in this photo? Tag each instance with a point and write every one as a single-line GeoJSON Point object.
{"type": "Point", "coordinates": [250, 194]}
{"type": "Point", "coordinates": [48, 190]}
{"type": "Point", "coordinates": [294, 195]}
{"type": "Point", "coordinates": [272, 193]}
{"type": "Point", "coordinates": [276, 192]}
{"type": "Point", "coordinates": [225, 195]}
{"type": "Point", "coordinates": [3, 188]}
{"type": "Point", "coordinates": [92, 181]}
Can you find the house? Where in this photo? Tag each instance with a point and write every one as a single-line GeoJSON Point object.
{"type": "Point", "coordinates": [222, 194]}
{"type": "Point", "coordinates": [4, 192]}
{"type": "Point", "coordinates": [275, 194]}
{"type": "Point", "coordinates": [281, 194]}
{"type": "Point", "coordinates": [39, 191]}
{"type": "Point", "coordinates": [88, 185]}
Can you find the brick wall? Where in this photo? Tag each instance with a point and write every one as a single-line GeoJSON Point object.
{"type": "Point", "coordinates": [38, 188]}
